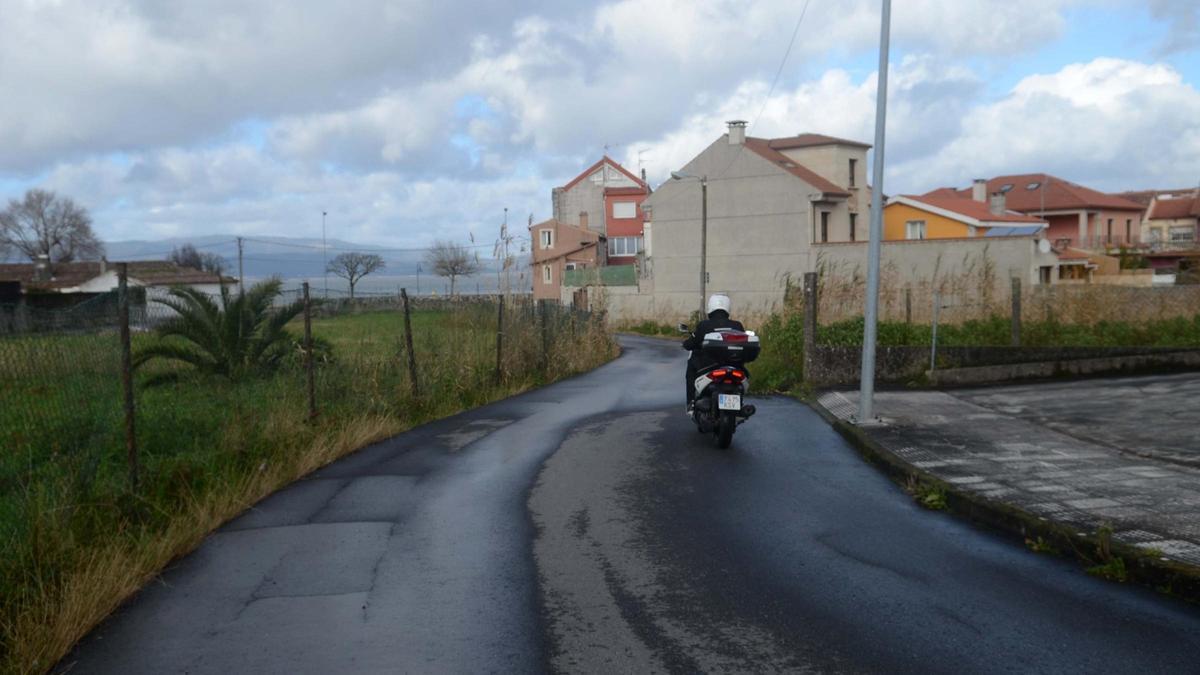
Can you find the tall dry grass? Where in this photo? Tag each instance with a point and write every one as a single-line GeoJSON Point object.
{"type": "Point", "coordinates": [974, 291]}
{"type": "Point", "coordinates": [78, 544]}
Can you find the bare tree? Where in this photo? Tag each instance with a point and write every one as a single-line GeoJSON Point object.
{"type": "Point", "coordinates": [44, 224]}
{"type": "Point", "coordinates": [354, 266]}
{"type": "Point", "coordinates": [451, 260]}
{"type": "Point", "coordinates": [188, 256]}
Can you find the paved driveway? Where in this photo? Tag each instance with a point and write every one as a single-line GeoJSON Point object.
{"type": "Point", "coordinates": [1153, 416]}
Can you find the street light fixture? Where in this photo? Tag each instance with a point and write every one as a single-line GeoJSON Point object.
{"type": "Point", "coordinates": [676, 175]}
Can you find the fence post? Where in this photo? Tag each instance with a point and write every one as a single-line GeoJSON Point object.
{"type": "Point", "coordinates": [810, 325]}
{"type": "Point", "coordinates": [308, 356]}
{"type": "Point", "coordinates": [543, 307]}
{"type": "Point", "coordinates": [937, 308]}
{"type": "Point", "coordinates": [408, 343]}
{"type": "Point", "coordinates": [908, 305]}
{"type": "Point", "coordinates": [499, 336]}
{"type": "Point", "coordinates": [127, 373]}
{"type": "Point", "coordinates": [1016, 311]}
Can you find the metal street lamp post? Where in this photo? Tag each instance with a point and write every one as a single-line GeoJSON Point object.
{"type": "Point", "coordinates": [866, 391]}
{"type": "Point", "coordinates": [703, 235]}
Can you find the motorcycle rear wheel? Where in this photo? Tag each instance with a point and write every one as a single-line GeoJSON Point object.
{"type": "Point", "coordinates": [725, 427]}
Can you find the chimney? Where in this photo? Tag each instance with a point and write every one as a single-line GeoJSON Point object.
{"type": "Point", "coordinates": [997, 205]}
{"type": "Point", "coordinates": [583, 219]}
{"type": "Point", "coordinates": [41, 268]}
{"type": "Point", "coordinates": [643, 175]}
{"type": "Point", "coordinates": [979, 190]}
{"type": "Point", "coordinates": [737, 132]}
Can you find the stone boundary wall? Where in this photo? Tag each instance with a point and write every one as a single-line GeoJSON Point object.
{"type": "Point", "coordinates": [979, 365]}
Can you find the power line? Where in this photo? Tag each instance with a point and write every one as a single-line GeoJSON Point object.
{"type": "Point", "coordinates": [766, 101]}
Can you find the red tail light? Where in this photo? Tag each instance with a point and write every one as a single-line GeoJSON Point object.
{"type": "Point", "coordinates": [718, 374]}
{"type": "Point", "coordinates": [734, 337]}
{"type": "Point", "coordinates": [737, 375]}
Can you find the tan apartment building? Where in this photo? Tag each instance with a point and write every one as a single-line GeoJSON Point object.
{"type": "Point", "coordinates": [769, 201]}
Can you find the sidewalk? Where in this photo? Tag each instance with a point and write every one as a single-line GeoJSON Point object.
{"type": "Point", "coordinates": [998, 458]}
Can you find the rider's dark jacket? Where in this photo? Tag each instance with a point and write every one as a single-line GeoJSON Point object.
{"type": "Point", "coordinates": [718, 319]}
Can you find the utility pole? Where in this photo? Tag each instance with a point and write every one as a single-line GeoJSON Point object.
{"type": "Point", "coordinates": [703, 246]}
{"type": "Point", "coordinates": [324, 255]}
{"type": "Point", "coordinates": [866, 391]}
{"type": "Point", "coordinates": [675, 175]}
{"type": "Point", "coordinates": [418, 279]}
{"type": "Point", "coordinates": [241, 276]}
{"type": "Point", "coordinates": [500, 263]}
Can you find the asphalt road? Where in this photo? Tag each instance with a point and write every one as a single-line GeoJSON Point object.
{"type": "Point", "coordinates": [587, 527]}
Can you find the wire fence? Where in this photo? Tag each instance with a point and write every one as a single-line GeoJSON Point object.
{"type": "Point", "coordinates": [98, 441]}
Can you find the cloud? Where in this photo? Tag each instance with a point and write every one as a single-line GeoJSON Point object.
{"type": "Point", "coordinates": [1183, 18]}
{"type": "Point", "coordinates": [409, 118]}
{"type": "Point", "coordinates": [926, 100]}
{"type": "Point", "coordinates": [1109, 123]}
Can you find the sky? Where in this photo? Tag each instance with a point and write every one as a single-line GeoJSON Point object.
{"type": "Point", "coordinates": [409, 121]}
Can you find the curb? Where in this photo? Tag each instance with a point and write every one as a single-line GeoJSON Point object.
{"type": "Point", "coordinates": [1144, 568]}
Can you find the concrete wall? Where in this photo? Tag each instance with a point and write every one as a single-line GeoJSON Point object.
{"type": "Point", "coordinates": [930, 261]}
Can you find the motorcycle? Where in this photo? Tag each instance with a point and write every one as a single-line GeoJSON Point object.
{"type": "Point", "coordinates": [719, 406]}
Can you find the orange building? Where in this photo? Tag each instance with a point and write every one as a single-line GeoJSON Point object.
{"type": "Point", "coordinates": [949, 217]}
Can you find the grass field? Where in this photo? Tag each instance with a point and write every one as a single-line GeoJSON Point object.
{"type": "Point", "coordinates": [77, 540]}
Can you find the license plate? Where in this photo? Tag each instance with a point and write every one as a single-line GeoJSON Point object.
{"type": "Point", "coordinates": [729, 402]}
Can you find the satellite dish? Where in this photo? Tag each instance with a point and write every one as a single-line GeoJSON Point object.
{"type": "Point", "coordinates": [1044, 245]}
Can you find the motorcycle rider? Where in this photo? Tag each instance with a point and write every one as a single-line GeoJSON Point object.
{"type": "Point", "coordinates": [718, 317]}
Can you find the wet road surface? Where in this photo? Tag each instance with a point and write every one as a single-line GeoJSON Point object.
{"type": "Point", "coordinates": [588, 527]}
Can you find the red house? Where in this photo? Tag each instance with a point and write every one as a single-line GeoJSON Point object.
{"type": "Point", "coordinates": [1077, 216]}
{"type": "Point", "coordinates": [623, 223]}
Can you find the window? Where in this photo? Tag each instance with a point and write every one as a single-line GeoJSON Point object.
{"type": "Point", "coordinates": [853, 165]}
{"type": "Point", "coordinates": [1187, 233]}
{"type": "Point", "coordinates": [824, 226]}
{"type": "Point", "coordinates": [914, 229]}
{"type": "Point", "coordinates": [1006, 187]}
{"type": "Point", "coordinates": [1033, 186]}
{"type": "Point", "coordinates": [547, 238]}
{"type": "Point", "coordinates": [853, 222]}
{"type": "Point", "coordinates": [624, 210]}
{"type": "Point", "coordinates": [569, 266]}
{"type": "Point", "coordinates": [547, 274]}
{"type": "Point", "coordinates": [1110, 230]}
{"type": "Point", "coordinates": [624, 246]}
{"type": "Point", "coordinates": [1129, 230]}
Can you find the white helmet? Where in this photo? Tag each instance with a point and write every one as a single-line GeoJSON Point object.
{"type": "Point", "coordinates": [718, 301]}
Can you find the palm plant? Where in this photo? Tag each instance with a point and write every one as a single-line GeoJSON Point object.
{"type": "Point", "coordinates": [235, 337]}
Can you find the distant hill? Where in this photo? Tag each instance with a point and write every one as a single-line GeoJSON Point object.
{"type": "Point", "coordinates": [296, 259]}
{"type": "Point", "coordinates": [289, 257]}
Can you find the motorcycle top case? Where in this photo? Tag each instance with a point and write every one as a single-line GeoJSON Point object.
{"type": "Point", "coordinates": [731, 346]}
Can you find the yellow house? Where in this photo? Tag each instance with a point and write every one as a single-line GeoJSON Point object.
{"type": "Point", "coordinates": [945, 217]}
